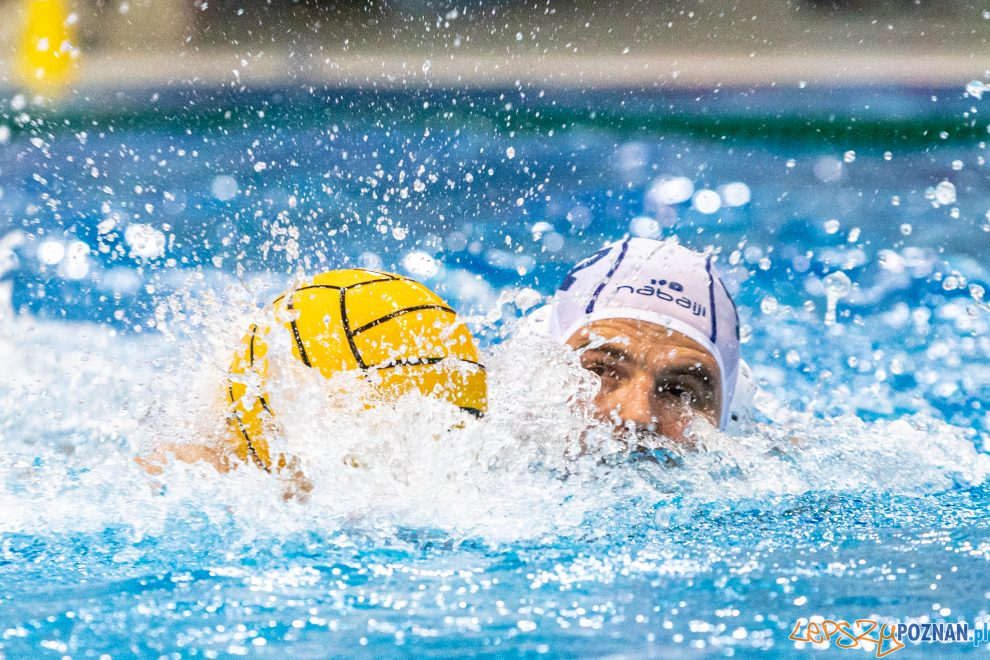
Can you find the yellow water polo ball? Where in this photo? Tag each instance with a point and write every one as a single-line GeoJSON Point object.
{"type": "Point", "coordinates": [344, 320]}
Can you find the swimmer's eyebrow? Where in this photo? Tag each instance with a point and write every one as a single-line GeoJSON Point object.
{"type": "Point", "coordinates": [612, 351]}
{"type": "Point", "coordinates": [695, 370]}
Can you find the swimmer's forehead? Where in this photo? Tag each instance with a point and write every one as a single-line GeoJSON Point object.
{"type": "Point", "coordinates": [641, 337]}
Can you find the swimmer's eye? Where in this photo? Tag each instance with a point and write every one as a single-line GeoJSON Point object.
{"type": "Point", "coordinates": [689, 394]}
{"type": "Point", "coordinates": [603, 371]}
{"type": "Point", "coordinates": [684, 393]}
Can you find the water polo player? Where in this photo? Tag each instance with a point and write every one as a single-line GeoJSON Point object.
{"type": "Point", "coordinates": [655, 322]}
{"type": "Point", "coordinates": [397, 333]}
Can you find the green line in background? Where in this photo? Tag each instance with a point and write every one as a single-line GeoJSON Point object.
{"type": "Point", "coordinates": [225, 116]}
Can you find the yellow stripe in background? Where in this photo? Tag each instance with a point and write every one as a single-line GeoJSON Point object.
{"type": "Point", "coordinates": [48, 54]}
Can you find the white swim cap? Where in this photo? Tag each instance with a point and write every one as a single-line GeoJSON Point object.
{"type": "Point", "coordinates": [659, 282]}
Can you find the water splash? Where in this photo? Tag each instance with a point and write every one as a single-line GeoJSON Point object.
{"type": "Point", "coordinates": [537, 467]}
{"type": "Point", "coordinates": [976, 88]}
{"type": "Point", "coordinates": [837, 286]}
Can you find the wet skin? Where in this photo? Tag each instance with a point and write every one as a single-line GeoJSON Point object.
{"type": "Point", "coordinates": [653, 380]}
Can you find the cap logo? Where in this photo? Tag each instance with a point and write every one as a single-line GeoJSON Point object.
{"type": "Point", "coordinates": [655, 290]}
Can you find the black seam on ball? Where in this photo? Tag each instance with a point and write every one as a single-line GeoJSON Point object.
{"type": "Point", "coordinates": [389, 317]}
{"type": "Point", "coordinates": [347, 329]}
{"type": "Point", "coordinates": [356, 285]}
{"type": "Point", "coordinates": [319, 286]}
{"type": "Point", "coordinates": [295, 333]}
{"type": "Point", "coordinates": [264, 404]}
{"type": "Point", "coordinates": [411, 362]}
{"type": "Point", "coordinates": [247, 439]}
{"type": "Point", "coordinates": [407, 362]}
{"type": "Point", "coordinates": [254, 329]}
{"type": "Point", "coordinates": [389, 276]}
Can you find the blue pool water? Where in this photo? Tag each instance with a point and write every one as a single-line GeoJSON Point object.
{"type": "Point", "coordinates": [134, 243]}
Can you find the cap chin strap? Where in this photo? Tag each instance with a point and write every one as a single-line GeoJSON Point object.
{"type": "Point", "coordinates": [665, 321]}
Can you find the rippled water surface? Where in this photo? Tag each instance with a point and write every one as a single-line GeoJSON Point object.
{"type": "Point", "coordinates": [135, 246]}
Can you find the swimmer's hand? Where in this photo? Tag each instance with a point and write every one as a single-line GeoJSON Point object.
{"type": "Point", "coordinates": [154, 463]}
{"type": "Point", "coordinates": [296, 486]}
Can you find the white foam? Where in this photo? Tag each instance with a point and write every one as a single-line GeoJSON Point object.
{"type": "Point", "coordinates": [80, 404]}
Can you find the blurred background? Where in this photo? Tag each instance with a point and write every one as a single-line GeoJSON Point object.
{"type": "Point", "coordinates": [488, 145]}
{"type": "Point", "coordinates": [619, 42]}
{"type": "Point", "coordinates": [167, 167]}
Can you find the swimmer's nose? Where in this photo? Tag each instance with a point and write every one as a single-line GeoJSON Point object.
{"type": "Point", "coordinates": [634, 405]}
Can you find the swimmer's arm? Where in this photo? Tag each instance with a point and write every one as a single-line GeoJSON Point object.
{"type": "Point", "coordinates": [297, 485]}
{"type": "Point", "coordinates": [154, 463]}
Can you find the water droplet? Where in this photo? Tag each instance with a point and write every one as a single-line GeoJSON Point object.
{"type": "Point", "coordinates": [768, 305]}
{"type": "Point", "coordinates": [75, 266]}
{"type": "Point", "coordinates": [891, 261]}
{"type": "Point", "coordinates": [706, 201]}
{"type": "Point", "coordinates": [553, 242]}
{"type": "Point", "coordinates": [644, 227]}
{"type": "Point", "coordinates": [579, 217]}
{"type": "Point", "coordinates": [224, 187]}
{"type": "Point", "coordinates": [745, 333]}
{"type": "Point", "coordinates": [51, 252]}
{"type": "Point", "coordinates": [827, 169]}
{"type": "Point", "coordinates": [420, 264]}
{"type": "Point", "coordinates": [945, 193]}
{"type": "Point", "coordinates": [976, 88]}
{"type": "Point", "coordinates": [849, 156]}
{"type": "Point", "coordinates": [671, 190]}
{"type": "Point", "coordinates": [146, 242]}
{"type": "Point", "coordinates": [371, 261]}
{"type": "Point", "coordinates": [831, 226]}
{"type": "Point", "coordinates": [837, 286]}
{"type": "Point", "coordinates": [906, 229]}
{"type": "Point", "coordinates": [736, 193]}
{"type": "Point", "coordinates": [510, 153]}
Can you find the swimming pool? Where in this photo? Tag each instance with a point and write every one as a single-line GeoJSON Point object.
{"type": "Point", "coordinates": [133, 241]}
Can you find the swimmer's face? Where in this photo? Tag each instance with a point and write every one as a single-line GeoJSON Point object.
{"type": "Point", "coordinates": [653, 380]}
